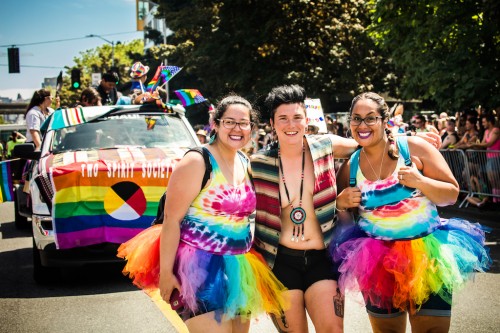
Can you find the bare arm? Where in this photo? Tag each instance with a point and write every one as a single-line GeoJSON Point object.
{"type": "Point", "coordinates": [436, 181]}
{"type": "Point", "coordinates": [343, 147]}
{"type": "Point", "coordinates": [495, 134]}
{"type": "Point", "coordinates": [183, 188]}
{"type": "Point", "coordinates": [37, 138]}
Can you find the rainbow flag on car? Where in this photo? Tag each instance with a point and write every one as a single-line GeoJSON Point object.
{"type": "Point", "coordinates": [6, 186]}
{"type": "Point", "coordinates": [163, 74]}
{"type": "Point", "coordinates": [189, 96]}
{"type": "Point", "coordinates": [110, 196]}
{"type": "Point", "coordinates": [62, 118]}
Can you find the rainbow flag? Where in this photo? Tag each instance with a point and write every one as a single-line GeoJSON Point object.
{"type": "Point", "coordinates": [110, 196]}
{"type": "Point", "coordinates": [163, 74]}
{"type": "Point", "coordinates": [6, 190]}
{"type": "Point", "coordinates": [190, 96]}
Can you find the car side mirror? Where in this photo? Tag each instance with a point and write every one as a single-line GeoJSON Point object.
{"type": "Point", "coordinates": [26, 151]}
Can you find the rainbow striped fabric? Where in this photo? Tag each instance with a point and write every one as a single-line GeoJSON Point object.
{"type": "Point", "coordinates": [190, 96]}
{"type": "Point", "coordinates": [108, 196]}
{"type": "Point", "coordinates": [6, 190]}
{"type": "Point", "coordinates": [163, 74]}
{"type": "Point", "coordinates": [73, 116]}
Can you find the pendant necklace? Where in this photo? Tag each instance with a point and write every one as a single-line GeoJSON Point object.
{"type": "Point", "coordinates": [298, 214]}
{"type": "Point", "coordinates": [381, 163]}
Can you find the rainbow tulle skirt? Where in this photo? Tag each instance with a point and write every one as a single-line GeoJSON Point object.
{"type": "Point", "coordinates": [402, 274]}
{"type": "Point", "coordinates": [231, 285]}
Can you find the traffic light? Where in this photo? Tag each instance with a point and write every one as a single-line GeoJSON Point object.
{"type": "Point", "coordinates": [13, 54]}
{"type": "Point", "coordinates": [75, 78]}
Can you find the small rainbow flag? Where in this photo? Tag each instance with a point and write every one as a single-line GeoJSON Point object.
{"type": "Point", "coordinates": [163, 74]}
{"type": "Point", "coordinates": [189, 96]}
{"type": "Point", "coordinates": [6, 187]}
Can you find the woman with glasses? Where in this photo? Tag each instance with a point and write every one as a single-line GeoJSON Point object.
{"type": "Point", "coordinates": [205, 241]}
{"type": "Point", "coordinates": [401, 255]}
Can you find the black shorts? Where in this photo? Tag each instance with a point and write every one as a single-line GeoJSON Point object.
{"type": "Point", "coordinates": [299, 269]}
{"type": "Point", "coordinates": [434, 306]}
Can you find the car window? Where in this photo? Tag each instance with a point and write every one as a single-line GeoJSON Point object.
{"type": "Point", "coordinates": [124, 130]}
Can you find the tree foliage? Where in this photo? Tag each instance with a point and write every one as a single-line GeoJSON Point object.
{"type": "Point", "coordinates": [447, 50]}
{"type": "Point", "coordinates": [99, 60]}
{"type": "Point", "coordinates": [249, 46]}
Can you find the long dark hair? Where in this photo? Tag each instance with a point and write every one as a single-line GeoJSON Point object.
{"type": "Point", "coordinates": [38, 98]}
{"type": "Point", "coordinates": [384, 111]}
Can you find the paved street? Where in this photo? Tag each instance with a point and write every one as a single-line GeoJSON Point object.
{"type": "Point", "coordinates": [101, 300]}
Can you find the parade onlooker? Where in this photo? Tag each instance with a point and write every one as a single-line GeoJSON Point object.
{"type": "Point", "coordinates": [205, 244]}
{"type": "Point", "coordinates": [15, 138]}
{"type": "Point", "coordinates": [107, 88]}
{"type": "Point", "coordinates": [400, 254]}
{"type": "Point", "coordinates": [421, 125]}
{"type": "Point", "coordinates": [491, 141]}
{"type": "Point", "coordinates": [450, 136]}
{"type": "Point", "coordinates": [202, 136]}
{"type": "Point", "coordinates": [470, 137]}
{"type": "Point", "coordinates": [37, 111]}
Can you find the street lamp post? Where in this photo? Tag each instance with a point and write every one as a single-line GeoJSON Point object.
{"type": "Point", "coordinates": [112, 47]}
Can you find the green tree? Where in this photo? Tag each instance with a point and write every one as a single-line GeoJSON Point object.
{"type": "Point", "coordinates": [447, 50]}
{"type": "Point", "coordinates": [249, 46]}
{"type": "Point", "coordinates": [99, 60]}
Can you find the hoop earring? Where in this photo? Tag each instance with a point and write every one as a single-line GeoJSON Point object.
{"type": "Point", "coordinates": [212, 138]}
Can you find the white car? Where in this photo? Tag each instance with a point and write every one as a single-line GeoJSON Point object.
{"type": "Point", "coordinates": [97, 180]}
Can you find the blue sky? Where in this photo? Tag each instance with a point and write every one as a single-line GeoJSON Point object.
{"type": "Point", "coordinates": [32, 21]}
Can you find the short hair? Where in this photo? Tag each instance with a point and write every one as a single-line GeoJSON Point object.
{"type": "Point", "coordinates": [285, 94]}
{"type": "Point", "coordinates": [110, 77]}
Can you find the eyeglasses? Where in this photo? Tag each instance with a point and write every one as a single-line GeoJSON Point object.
{"type": "Point", "coordinates": [369, 121]}
{"type": "Point", "coordinates": [230, 124]}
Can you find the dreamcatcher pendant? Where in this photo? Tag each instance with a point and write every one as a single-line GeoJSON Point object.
{"type": "Point", "coordinates": [298, 217]}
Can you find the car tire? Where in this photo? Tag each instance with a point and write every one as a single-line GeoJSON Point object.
{"type": "Point", "coordinates": [21, 222]}
{"type": "Point", "coordinates": [42, 274]}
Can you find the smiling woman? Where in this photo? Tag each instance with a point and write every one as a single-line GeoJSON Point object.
{"type": "Point", "coordinates": [400, 254]}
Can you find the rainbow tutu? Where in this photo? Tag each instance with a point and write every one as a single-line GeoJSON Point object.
{"type": "Point", "coordinates": [230, 285]}
{"type": "Point", "coordinates": [402, 274]}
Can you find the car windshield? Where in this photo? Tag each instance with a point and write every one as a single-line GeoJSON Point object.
{"type": "Point", "coordinates": [125, 130]}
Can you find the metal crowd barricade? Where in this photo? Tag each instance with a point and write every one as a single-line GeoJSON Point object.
{"type": "Point", "coordinates": [477, 171]}
{"type": "Point", "coordinates": [484, 168]}
{"type": "Point", "coordinates": [457, 161]}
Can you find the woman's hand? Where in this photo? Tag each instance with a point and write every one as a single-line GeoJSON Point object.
{"type": "Point", "coordinates": [410, 176]}
{"type": "Point", "coordinates": [168, 282]}
{"type": "Point", "coordinates": [350, 197]}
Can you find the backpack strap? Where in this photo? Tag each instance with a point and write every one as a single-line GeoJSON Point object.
{"type": "Point", "coordinates": [404, 150]}
{"type": "Point", "coordinates": [353, 168]}
{"type": "Point", "coordinates": [208, 166]}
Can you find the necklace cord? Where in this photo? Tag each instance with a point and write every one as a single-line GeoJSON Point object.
{"type": "Point", "coordinates": [301, 177]}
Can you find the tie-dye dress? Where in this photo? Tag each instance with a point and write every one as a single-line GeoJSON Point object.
{"type": "Point", "coordinates": [215, 265]}
{"type": "Point", "coordinates": [400, 252]}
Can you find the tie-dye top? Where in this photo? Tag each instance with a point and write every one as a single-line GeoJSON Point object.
{"type": "Point", "coordinates": [389, 210]}
{"type": "Point", "coordinates": [218, 219]}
